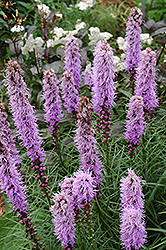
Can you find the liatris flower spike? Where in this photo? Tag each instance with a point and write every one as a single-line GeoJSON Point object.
{"type": "Point", "coordinates": [145, 83]}
{"type": "Point", "coordinates": [63, 221]}
{"type": "Point", "coordinates": [135, 123]}
{"type": "Point", "coordinates": [103, 88]}
{"type": "Point", "coordinates": [25, 121]}
{"type": "Point", "coordinates": [52, 105]}
{"type": "Point", "coordinates": [133, 42]}
{"type": "Point", "coordinates": [72, 59]}
{"type": "Point", "coordinates": [132, 227]}
{"type": "Point", "coordinates": [103, 77]}
{"type": "Point", "coordinates": [86, 142]}
{"type": "Point", "coordinates": [88, 78]}
{"type": "Point", "coordinates": [69, 93]}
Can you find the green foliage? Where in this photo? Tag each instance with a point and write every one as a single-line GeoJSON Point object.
{"type": "Point", "coordinates": [157, 11]}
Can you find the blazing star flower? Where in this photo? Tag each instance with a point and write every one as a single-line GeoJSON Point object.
{"type": "Point", "coordinates": [69, 92]}
{"type": "Point", "coordinates": [6, 136]}
{"type": "Point", "coordinates": [22, 111]}
{"type": "Point", "coordinates": [51, 96]}
{"type": "Point", "coordinates": [86, 142]}
{"type": "Point", "coordinates": [83, 187]}
{"type": "Point", "coordinates": [135, 123]}
{"type": "Point", "coordinates": [103, 77]}
{"type": "Point", "coordinates": [145, 85]}
{"type": "Point", "coordinates": [63, 221]}
{"type": "Point", "coordinates": [132, 227]}
{"type": "Point", "coordinates": [72, 59]}
{"type": "Point", "coordinates": [133, 39]}
{"type": "Point", "coordinates": [10, 180]}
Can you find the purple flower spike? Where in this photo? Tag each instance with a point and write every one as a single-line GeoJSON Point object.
{"type": "Point", "coordinates": [83, 187]}
{"type": "Point", "coordinates": [88, 79]}
{"type": "Point", "coordinates": [145, 85]}
{"type": "Point", "coordinates": [69, 92]}
{"type": "Point", "coordinates": [133, 39]}
{"type": "Point", "coordinates": [132, 227]}
{"type": "Point", "coordinates": [22, 111]}
{"type": "Point", "coordinates": [6, 136]}
{"type": "Point", "coordinates": [103, 77]}
{"type": "Point", "coordinates": [72, 58]}
{"type": "Point", "coordinates": [63, 221]}
{"type": "Point", "coordinates": [10, 179]}
{"type": "Point", "coordinates": [52, 103]}
{"type": "Point", "coordinates": [86, 142]}
{"type": "Point", "coordinates": [135, 123]}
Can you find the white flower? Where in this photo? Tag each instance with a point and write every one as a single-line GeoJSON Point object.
{"type": "Point", "coordinates": [121, 43]}
{"type": "Point", "coordinates": [84, 4]}
{"type": "Point", "coordinates": [119, 63]}
{"type": "Point", "coordinates": [17, 28]}
{"type": "Point", "coordinates": [95, 35]}
{"type": "Point", "coordinates": [79, 26]}
{"type": "Point", "coordinates": [29, 45]}
{"type": "Point", "coordinates": [146, 38]}
{"type": "Point", "coordinates": [164, 58]}
{"type": "Point", "coordinates": [44, 9]}
{"type": "Point", "coordinates": [59, 15]}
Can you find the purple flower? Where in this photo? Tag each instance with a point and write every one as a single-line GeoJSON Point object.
{"type": "Point", "coordinates": [133, 39]}
{"type": "Point", "coordinates": [63, 221]}
{"type": "Point", "coordinates": [145, 85]}
{"type": "Point", "coordinates": [135, 123]}
{"type": "Point", "coordinates": [132, 227]}
{"type": "Point", "coordinates": [83, 187]}
{"type": "Point", "coordinates": [88, 78]}
{"type": "Point", "coordinates": [103, 77]}
{"type": "Point", "coordinates": [86, 142]}
{"type": "Point", "coordinates": [22, 111]}
{"type": "Point", "coordinates": [10, 179]}
{"type": "Point", "coordinates": [6, 136]}
{"type": "Point", "coordinates": [52, 105]}
{"type": "Point", "coordinates": [72, 59]}
{"type": "Point", "coordinates": [69, 92]}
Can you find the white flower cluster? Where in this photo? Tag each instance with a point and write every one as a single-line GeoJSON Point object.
{"type": "Point", "coordinates": [17, 28]}
{"type": "Point", "coordinates": [119, 63]}
{"type": "Point", "coordinates": [60, 35]}
{"type": "Point", "coordinates": [33, 44]}
{"type": "Point", "coordinates": [95, 35]}
{"type": "Point", "coordinates": [84, 4]}
{"type": "Point", "coordinates": [44, 9]}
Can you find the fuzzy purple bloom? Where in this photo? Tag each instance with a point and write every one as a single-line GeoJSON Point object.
{"type": "Point", "coordinates": [88, 78]}
{"type": "Point", "coordinates": [133, 39]}
{"type": "Point", "coordinates": [132, 227]}
{"type": "Point", "coordinates": [70, 94]}
{"type": "Point", "coordinates": [63, 221]}
{"type": "Point", "coordinates": [10, 179]}
{"type": "Point", "coordinates": [135, 123]}
{"type": "Point", "coordinates": [6, 136]}
{"type": "Point", "coordinates": [72, 59]}
{"type": "Point", "coordinates": [22, 111]}
{"type": "Point", "coordinates": [103, 77]}
{"type": "Point", "coordinates": [86, 142]}
{"type": "Point", "coordinates": [52, 105]}
{"type": "Point", "coordinates": [145, 85]}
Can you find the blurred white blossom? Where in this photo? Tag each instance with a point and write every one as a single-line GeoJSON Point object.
{"type": "Point", "coordinates": [84, 4]}
{"type": "Point", "coordinates": [121, 43]}
{"type": "Point", "coordinates": [44, 9]}
{"type": "Point", "coordinates": [17, 28]}
{"type": "Point", "coordinates": [95, 35]}
{"type": "Point", "coordinates": [119, 63]}
{"type": "Point", "coordinates": [146, 38]}
{"type": "Point", "coordinates": [79, 26]}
